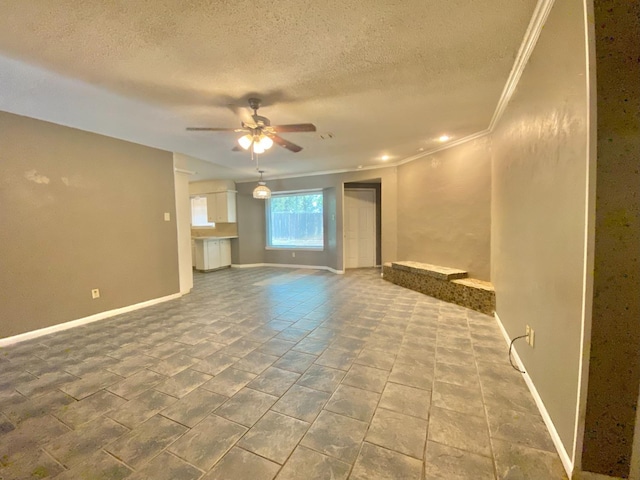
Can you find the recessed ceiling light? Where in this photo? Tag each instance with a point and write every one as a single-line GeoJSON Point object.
{"type": "Point", "coordinates": [359, 166]}
{"type": "Point", "coordinates": [385, 157]}
{"type": "Point", "coordinates": [444, 138]}
{"type": "Point", "coordinates": [421, 149]}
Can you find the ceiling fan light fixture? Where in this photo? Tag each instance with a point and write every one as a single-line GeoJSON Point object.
{"type": "Point", "coordinates": [261, 192]}
{"type": "Point", "coordinates": [265, 142]}
{"type": "Point", "coordinates": [245, 141]}
{"type": "Point", "coordinates": [260, 135]}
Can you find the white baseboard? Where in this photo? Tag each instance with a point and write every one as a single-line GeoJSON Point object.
{"type": "Point", "coordinates": [4, 342]}
{"type": "Point", "coordinates": [565, 458]}
{"type": "Point", "coordinates": [287, 265]}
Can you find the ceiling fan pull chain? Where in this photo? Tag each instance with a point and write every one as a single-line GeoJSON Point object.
{"type": "Point", "coordinates": [254, 157]}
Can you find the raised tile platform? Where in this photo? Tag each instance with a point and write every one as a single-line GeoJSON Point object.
{"type": "Point", "coordinates": [448, 284]}
{"type": "Point", "coordinates": [435, 271]}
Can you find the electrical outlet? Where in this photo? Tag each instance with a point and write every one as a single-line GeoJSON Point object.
{"type": "Point", "coordinates": [528, 331]}
{"type": "Point", "coordinates": [95, 293]}
{"type": "Point", "coordinates": [293, 254]}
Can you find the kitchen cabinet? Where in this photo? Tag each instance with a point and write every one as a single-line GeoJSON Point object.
{"type": "Point", "coordinates": [225, 252]}
{"type": "Point", "coordinates": [212, 257]}
{"type": "Point", "coordinates": [212, 253]}
{"type": "Point", "coordinates": [221, 207]}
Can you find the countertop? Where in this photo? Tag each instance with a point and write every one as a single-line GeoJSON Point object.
{"type": "Point", "coordinates": [213, 237]}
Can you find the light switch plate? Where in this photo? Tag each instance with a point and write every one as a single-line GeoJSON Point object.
{"type": "Point", "coordinates": [167, 217]}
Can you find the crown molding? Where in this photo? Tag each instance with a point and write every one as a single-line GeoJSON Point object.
{"type": "Point", "coordinates": [531, 36]}
{"type": "Point", "coordinates": [455, 143]}
{"type": "Point", "coordinates": [326, 172]}
{"type": "Point", "coordinates": [534, 29]}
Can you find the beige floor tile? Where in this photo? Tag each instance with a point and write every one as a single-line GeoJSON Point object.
{"type": "Point", "coordinates": [335, 435]}
{"type": "Point", "coordinates": [399, 432]}
{"type": "Point", "coordinates": [332, 375]}
{"type": "Point", "coordinates": [381, 463]}
{"type": "Point", "coordinates": [240, 464]}
{"type": "Point", "coordinates": [274, 436]}
{"type": "Point", "coordinates": [312, 464]}
{"type": "Point", "coordinates": [301, 403]}
{"type": "Point", "coordinates": [353, 402]}
{"type": "Point", "coordinates": [208, 441]}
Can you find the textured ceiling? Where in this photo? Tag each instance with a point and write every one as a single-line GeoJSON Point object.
{"type": "Point", "coordinates": [383, 77]}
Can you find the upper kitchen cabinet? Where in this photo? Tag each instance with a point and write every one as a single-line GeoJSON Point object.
{"type": "Point", "coordinates": [221, 207]}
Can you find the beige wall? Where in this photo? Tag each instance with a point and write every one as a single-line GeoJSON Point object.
{"type": "Point", "coordinates": [250, 246]}
{"type": "Point", "coordinates": [539, 176]}
{"type": "Point", "coordinates": [440, 215]}
{"type": "Point", "coordinates": [80, 211]}
{"type": "Point", "coordinates": [444, 208]}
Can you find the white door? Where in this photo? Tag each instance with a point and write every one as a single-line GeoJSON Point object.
{"type": "Point", "coordinates": [360, 228]}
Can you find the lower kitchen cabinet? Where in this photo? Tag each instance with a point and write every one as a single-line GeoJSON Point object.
{"type": "Point", "coordinates": [212, 253]}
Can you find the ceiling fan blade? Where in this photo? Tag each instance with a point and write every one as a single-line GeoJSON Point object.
{"type": "Point", "coordinates": [208, 129]}
{"type": "Point", "coordinates": [296, 127]}
{"type": "Point", "coordinates": [285, 143]}
{"type": "Point", "coordinates": [244, 114]}
{"type": "Point", "coordinates": [237, 149]}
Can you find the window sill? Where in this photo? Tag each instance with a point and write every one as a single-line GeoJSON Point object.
{"type": "Point", "coordinates": [297, 248]}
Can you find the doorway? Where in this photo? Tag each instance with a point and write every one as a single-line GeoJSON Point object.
{"type": "Point", "coordinates": [360, 228]}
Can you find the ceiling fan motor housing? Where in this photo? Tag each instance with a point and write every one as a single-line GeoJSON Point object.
{"type": "Point", "coordinates": [254, 103]}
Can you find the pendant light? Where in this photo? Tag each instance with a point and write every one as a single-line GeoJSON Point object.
{"type": "Point", "coordinates": [261, 192]}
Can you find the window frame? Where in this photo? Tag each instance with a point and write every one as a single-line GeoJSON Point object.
{"type": "Point", "coordinates": [268, 246]}
{"type": "Point", "coordinates": [207, 225]}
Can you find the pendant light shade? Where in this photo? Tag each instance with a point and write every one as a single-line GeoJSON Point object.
{"type": "Point", "coordinates": [245, 141]}
{"type": "Point", "coordinates": [265, 142]}
{"type": "Point", "coordinates": [261, 192]}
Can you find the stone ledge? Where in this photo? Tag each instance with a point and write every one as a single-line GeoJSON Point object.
{"type": "Point", "coordinates": [435, 271]}
{"type": "Point", "coordinates": [471, 293]}
{"type": "Point", "coordinates": [475, 283]}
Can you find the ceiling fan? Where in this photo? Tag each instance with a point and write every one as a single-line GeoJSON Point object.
{"type": "Point", "coordinates": [260, 135]}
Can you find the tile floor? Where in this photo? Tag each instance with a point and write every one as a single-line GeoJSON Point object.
{"type": "Point", "coordinates": [271, 373]}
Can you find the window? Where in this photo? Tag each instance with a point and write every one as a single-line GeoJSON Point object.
{"type": "Point", "coordinates": [199, 212]}
{"type": "Point", "coordinates": [294, 220]}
